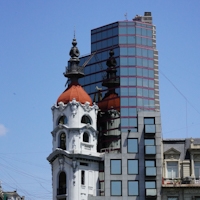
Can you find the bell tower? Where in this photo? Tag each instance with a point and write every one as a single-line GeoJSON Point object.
{"type": "Point", "coordinates": [74, 158]}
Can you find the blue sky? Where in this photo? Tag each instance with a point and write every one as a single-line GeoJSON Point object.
{"type": "Point", "coordinates": [35, 40]}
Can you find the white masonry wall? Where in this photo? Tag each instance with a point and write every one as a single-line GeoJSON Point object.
{"type": "Point", "coordinates": [85, 153]}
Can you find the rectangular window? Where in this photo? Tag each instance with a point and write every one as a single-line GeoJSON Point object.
{"type": "Point", "coordinates": [132, 92]}
{"type": "Point", "coordinates": [82, 177]}
{"type": "Point", "coordinates": [124, 81]}
{"type": "Point", "coordinates": [131, 81]}
{"type": "Point", "coordinates": [132, 167]}
{"type": "Point", "coordinates": [131, 51]}
{"type": "Point", "coordinates": [123, 51]}
{"type": "Point", "coordinates": [122, 39]}
{"type": "Point", "coordinates": [150, 184]}
{"type": "Point", "coordinates": [150, 128]}
{"type": "Point", "coordinates": [149, 120]}
{"type": "Point", "coordinates": [131, 61]}
{"type": "Point", "coordinates": [116, 188]}
{"type": "Point", "coordinates": [150, 166]}
{"type": "Point", "coordinates": [132, 188]}
{"type": "Point", "coordinates": [132, 121]}
{"type": "Point", "coordinates": [149, 163]}
{"type": "Point", "coordinates": [150, 187]}
{"type": "Point", "coordinates": [174, 198]}
{"type": "Point", "coordinates": [149, 125]}
{"type": "Point", "coordinates": [132, 102]}
{"type": "Point", "coordinates": [124, 111]}
{"type": "Point", "coordinates": [150, 148]}
{"type": "Point", "coordinates": [149, 142]}
{"type": "Point", "coordinates": [131, 30]}
{"type": "Point", "coordinates": [132, 145]}
{"type": "Point", "coordinates": [123, 61]}
{"type": "Point", "coordinates": [122, 30]}
{"type": "Point", "coordinates": [124, 71]}
{"type": "Point", "coordinates": [172, 170]}
{"type": "Point", "coordinates": [197, 169]}
{"type": "Point", "coordinates": [124, 122]}
{"type": "Point", "coordinates": [150, 171]}
{"type": "Point", "coordinates": [151, 83]}
{"type": "Point", "coordinates": [115, 167]}
{"type": "Point", "coordinates": [131, 40]}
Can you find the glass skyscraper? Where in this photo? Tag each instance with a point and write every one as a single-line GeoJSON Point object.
{"type": "Point", "coordinates": [134, 46]}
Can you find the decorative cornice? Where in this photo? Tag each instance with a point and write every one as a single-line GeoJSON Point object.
{"type": "Point", "coordinates": [61, 106]}
{"type": "Point", "coordinates": [58, 152]}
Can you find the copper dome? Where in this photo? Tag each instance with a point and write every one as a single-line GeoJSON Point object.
{"type": "Point", "coordinates": [111, 101]}
{"type": "Point", "coordinates": [74, 91]}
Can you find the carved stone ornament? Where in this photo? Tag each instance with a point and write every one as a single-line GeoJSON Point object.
{"type": "Point", "coordinates": [95, 107]}
{"type": "Point", "coordinates": [73, 144]}
{"type": "Point", "coordinates": [94, 134]}
{"type": "Point", "coordinates": [74, 106]}
{"type": "Point", "coordinates": [172, 156]}
{"type": "Point", "coordinates": [112, 114]}
{"type": "Point", "coordinates": [61, 106]}
{"type": "Point", "coordinates": [86, 107]}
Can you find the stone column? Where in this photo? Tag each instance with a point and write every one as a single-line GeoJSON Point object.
{"type": "Point", "coordinates": [192, 166]}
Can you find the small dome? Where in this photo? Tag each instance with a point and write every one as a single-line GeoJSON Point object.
{"type": "Point", "coordinates": [74, 91]}
{"type": "Point", "coordinates": [111, 101]}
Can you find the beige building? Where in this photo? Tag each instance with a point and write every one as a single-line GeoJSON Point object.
{"type": "Point", "coordinates": [181, 169]}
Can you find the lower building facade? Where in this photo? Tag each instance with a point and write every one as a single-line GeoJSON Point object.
{"type": "Point", "coordinates": [181, 169]}
{"type": "Point", "coordinates": [136, 171]}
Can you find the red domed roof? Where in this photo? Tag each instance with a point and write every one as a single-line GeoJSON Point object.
{"type": "Point", "coordinates": [111, 101]}
{"type": "Point", "coordinates": [74, 91]}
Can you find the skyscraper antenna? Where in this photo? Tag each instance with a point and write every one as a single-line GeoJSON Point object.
{"type": "Point", "coordinates": [125, 15]}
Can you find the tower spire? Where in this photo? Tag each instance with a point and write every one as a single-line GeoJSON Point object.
{"type": "Point", "coordinates": [74, 32]}
{"type": "Point", "coordinates": [111, 80]}
{"type": "Point", "coordinates": [74, 71]}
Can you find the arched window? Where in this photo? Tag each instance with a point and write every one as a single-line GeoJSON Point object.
{"type": "Point", "coordinates": [85, 137]}
{"type": "Point", "coordinates": [62, 185]}
{"type": "Point", "coordinates": [63, 141]}
{"type": "Point", "coordinates": [85, 119]}
{"type": "Point", "coordinates": [62, 120]}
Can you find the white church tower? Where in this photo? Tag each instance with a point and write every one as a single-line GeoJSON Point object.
{"type": "Point", "coordinates": [74, 158]}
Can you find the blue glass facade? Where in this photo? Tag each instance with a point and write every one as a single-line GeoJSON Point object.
{"type": "Point", "coordinates": [132, 43]}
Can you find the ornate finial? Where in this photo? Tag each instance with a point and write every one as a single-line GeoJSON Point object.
{"type": "Point", "coordinates": [73, 71]}
{"type": "Point", "coordinates": [74, 52]}
{"type": "Point", "coordinates": [111, 62]}
{"type": "Point", "coordinates": [111, 79]}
